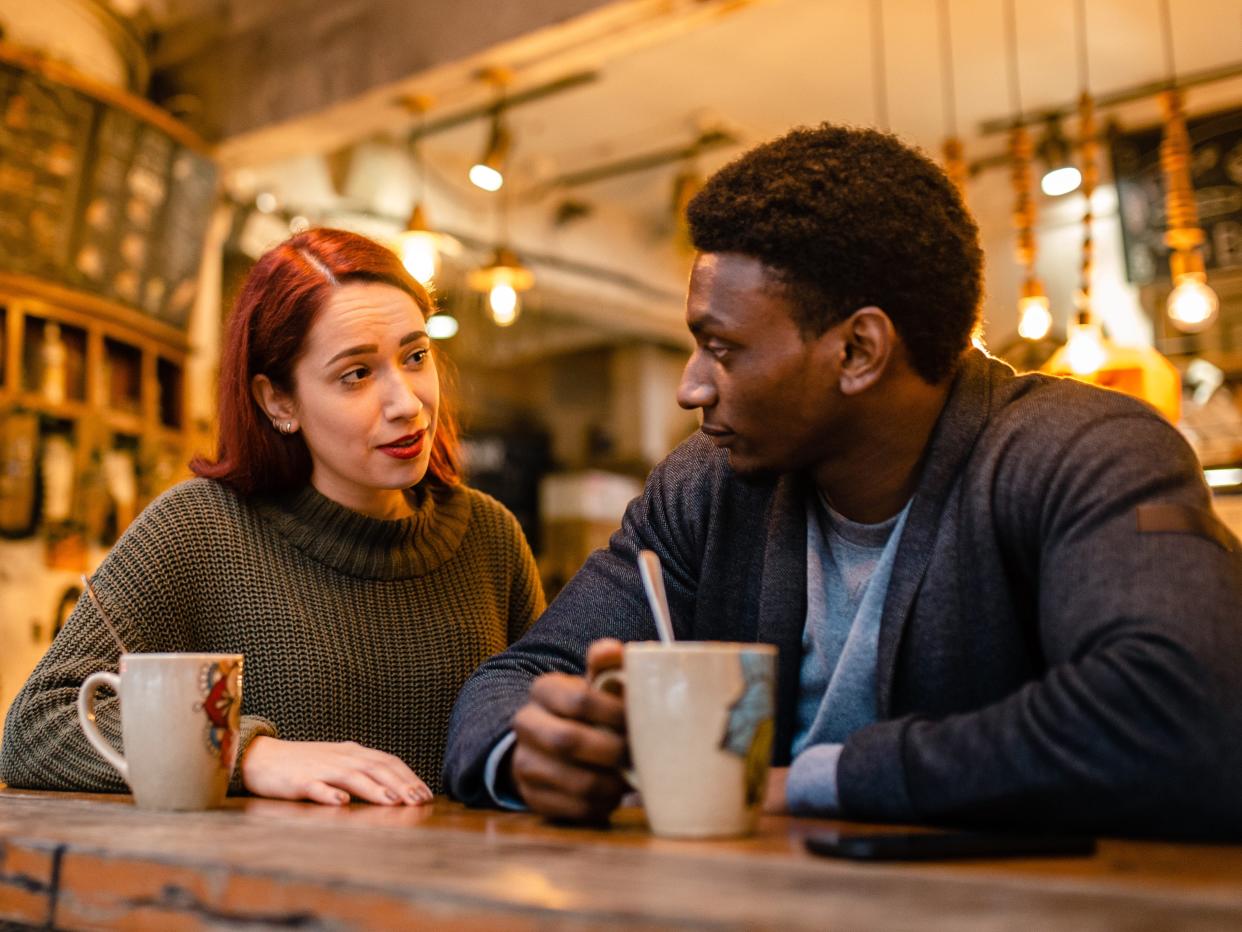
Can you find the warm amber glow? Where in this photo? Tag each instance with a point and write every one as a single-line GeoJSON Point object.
{"type": "Point", "coordinates": [1084, 350]}
{"type": "Point", "coordinates": [420, 254]}
{"type": "Point", "coordinates": [1192, 305]}
{"type": "Point", "coordinates": [1061, 181]}
{"type": "Point", "coordinates": [1036, 319]}
{"type": "Point", "coordinates": [442, 326]}
{"type": "Point", "coordinates": [503, 301]}
{"type": "Point", "coordinates": [486, 177]}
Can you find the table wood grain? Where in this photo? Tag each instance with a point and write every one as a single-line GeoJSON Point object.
{"type": "Point", "coordinates": [95, 862]}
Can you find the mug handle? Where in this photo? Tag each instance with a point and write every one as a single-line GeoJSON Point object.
{"type": "Point", "coordinates": [86, 718]}
{"type": "Point", "coordinates": [613, 681]}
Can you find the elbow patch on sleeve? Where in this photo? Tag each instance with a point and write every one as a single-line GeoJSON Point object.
{"type": "Point", "coordinates": [1170, 518]}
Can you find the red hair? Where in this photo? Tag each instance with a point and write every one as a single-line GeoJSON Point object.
{"type": "Point", "coordinates": [278, 303]}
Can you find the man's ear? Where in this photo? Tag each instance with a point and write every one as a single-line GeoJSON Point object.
{"type": "Point", "coordinates": [868, 345]}
{"type": "Point", "coordinates": [276, 404]}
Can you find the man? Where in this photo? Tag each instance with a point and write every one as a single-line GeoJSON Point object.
{"type": "Point", "coordinates": [998, 600]}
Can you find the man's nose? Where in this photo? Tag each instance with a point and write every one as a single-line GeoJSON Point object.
{"type": "Point", "coordinates": [695, 390]}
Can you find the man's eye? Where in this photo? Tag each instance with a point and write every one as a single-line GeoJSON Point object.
{"type": "Point", "coordinates": [716, 350]}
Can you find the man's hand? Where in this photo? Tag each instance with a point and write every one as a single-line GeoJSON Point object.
{"type": "Point", "coordinates": [571, 742]}
{"type": "Point", "coordinates": [329, 773]}
{"type": "Point", "coordinates": [774, 800]}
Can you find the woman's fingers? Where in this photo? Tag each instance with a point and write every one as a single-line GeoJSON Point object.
{"type": "Point", "coordinates": [360, 784]}
{"type": "Point", "coordinates": [393, 773]}
{"type": "Point", "coordinates": [319, 792]}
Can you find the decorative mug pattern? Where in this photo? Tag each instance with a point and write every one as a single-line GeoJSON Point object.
{"type": "Point", "coordinates": [749, 728]}
{"type": "Point", "coordinates": [219, 698]}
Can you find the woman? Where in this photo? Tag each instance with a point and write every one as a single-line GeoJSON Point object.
{"type": "Point", "coordinates": [331, 541]}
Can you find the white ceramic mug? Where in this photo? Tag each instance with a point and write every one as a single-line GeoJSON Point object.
{"type": "Point", "coordinates": [180, 718]}
{"type": "Point", "coordinates": [700, 719]}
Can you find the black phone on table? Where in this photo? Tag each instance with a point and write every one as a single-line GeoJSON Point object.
{"type": "Point", "coordinates": [939, 846]}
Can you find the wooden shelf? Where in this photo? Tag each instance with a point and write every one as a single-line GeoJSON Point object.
{"type": "Point", "coordinates": [128, 370]}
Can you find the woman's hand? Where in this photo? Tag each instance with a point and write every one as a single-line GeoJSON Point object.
{"type": "Point", "coordinates": [329, 773]}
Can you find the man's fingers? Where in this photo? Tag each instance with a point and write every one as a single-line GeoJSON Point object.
{"type": "Point", "coordinates": [556, 805]}
{"type": "Point", "coordinates": [572, 697]}
{"type": "Point", "coordinates": [550, 734]}
{"type": "Point", "coordinates": [602, 786]}
{"type": "Point", "coordinates": [604, 654]}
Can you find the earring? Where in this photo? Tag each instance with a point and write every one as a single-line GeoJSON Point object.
{"type": "Point", "coordinates": [284, 427]}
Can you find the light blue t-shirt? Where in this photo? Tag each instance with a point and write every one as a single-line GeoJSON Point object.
{"type": "Point", "coordinates": [848, 567]}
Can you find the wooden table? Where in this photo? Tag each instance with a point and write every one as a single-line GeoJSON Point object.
{"type": "Point", "coordinates": [83, 861]}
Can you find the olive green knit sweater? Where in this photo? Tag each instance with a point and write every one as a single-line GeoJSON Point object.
{"type": "Point", "coordinates": [352, 628]}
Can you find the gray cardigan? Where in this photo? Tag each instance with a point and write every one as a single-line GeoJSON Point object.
{"type": "Point", "coordinates": [1061, 643]}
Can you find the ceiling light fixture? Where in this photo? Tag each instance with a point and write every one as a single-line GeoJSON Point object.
{"type": "Point", "coordinates": [504, 278]}
{"type": "Point", "coordinates": [418, 245]}
{"type": "Point", "coordinates": [1053, 149]}
{"type": "Point", "coordinates": [1088, 354]}
{"type": "Point", "coordinates": [1034, 312]}
{"type": "Point", "coordinates": [954, 155]}
{"type": "Point", "coordinates": [1192, 305]}
{"type": "Point", "coordinates": [488, 172]}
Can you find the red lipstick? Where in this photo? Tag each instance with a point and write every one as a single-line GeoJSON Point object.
{"type": "Point", "coordinates": [407, 447]}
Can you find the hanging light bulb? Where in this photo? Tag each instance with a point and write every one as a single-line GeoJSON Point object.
{"type": "Point", "coordinates": [503, 302]}
{"type": "Point", "coordinates": [442, 326]}
{"type": "Point", "coordinates": [1192, 306]}
{"type": "Point", "coordinates": [419, 248]}
{"type": "Point", "coordinates": [502, 280]}
{"type": "Point", "coordinates": [488, 172]}
{"type": "Point", "coordinates": [1061, 176]}
{"type": "Point", "coordinates": [1035, 317]}
{"type": "Point", "coordinates": [1084, 350]}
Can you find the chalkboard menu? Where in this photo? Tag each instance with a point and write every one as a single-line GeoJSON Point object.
{"type": "Point", "coordinates": [1216, 173]}
{"type": "Point", "coordinates": [93, 197]}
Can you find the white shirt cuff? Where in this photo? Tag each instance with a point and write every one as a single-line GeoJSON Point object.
{"type": "Point", "coordinates": [491, 771]}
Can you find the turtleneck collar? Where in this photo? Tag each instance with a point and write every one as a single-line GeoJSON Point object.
{"type": "Point", "coordinates": [371, 548]}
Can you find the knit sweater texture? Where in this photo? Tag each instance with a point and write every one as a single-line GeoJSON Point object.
{"type": "Point", "coordinates": [353, 628]}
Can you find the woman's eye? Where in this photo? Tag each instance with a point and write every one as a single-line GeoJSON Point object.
{"type": "Point", "coordinates": [355, 375]}
{"type": "Point", "coordinates": [417, 358]}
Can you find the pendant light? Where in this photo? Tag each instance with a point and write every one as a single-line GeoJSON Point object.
{"type": "Point", "coordinates": [1034, 314]}
{"type": "Point", "coordinates": [504, 278]}
{"type": "Point", "coordinates": [1192, 305]}
{"type": "Point", "coordinates": [488, 170]}
{"type": "Point", "coordinates": [418, 245]}
{"type": "Point", "coordinates": [954, 154]}
{"type": "Point", "coordinates": [1085, 350]}
{"type": "Point", "coordinates": [1088, 354]}
{"type": "Point", "coordinates": [1061, 175]}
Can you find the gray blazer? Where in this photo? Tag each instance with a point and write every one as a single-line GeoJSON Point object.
{"type": "Point", "coordinates": [1061, 643]}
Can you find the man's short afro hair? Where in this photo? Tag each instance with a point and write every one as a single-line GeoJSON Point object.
{"type": "Point", "coordinates": [848, 218]}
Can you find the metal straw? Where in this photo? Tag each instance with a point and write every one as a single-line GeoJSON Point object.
{"type": "Point", "coordinates": [652, 572]}
{"type": "Point", "coordinates": [90, 592]}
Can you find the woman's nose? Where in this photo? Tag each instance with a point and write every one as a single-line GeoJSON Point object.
{"type": "Point", "coordinates": [401, 400]}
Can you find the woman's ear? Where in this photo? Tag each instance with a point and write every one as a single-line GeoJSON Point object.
{"type": "Point", "coordinates": [276, 404]}
{"type": "Point", "coordinates": [868, 345]}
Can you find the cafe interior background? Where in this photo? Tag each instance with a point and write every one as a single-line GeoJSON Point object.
{"type": "Point", "coordinates": [150, 150]}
